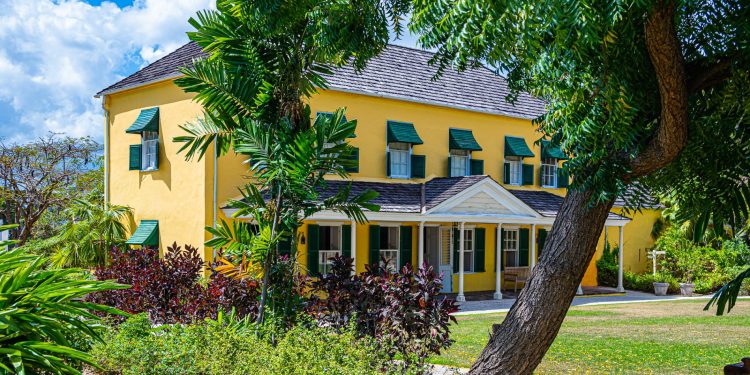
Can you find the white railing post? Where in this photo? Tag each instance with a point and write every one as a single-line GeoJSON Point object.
{"type": "Point", "coordinates": [461, 297]}
{"type": "Point", "coordinates": [498, 262]}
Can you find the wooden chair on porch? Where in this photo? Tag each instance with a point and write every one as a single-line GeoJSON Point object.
{"type": "Point", "coordinates": [516, 275]}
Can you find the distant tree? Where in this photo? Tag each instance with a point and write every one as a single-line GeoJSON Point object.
{"type": "Point", "coordinates": [43, 176]}
{"type": "Point", "coordinates": [655, 91]}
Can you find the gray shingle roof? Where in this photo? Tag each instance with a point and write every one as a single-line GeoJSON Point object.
{"type": "Point", "coordinates": [399, 72]}
{"type": "Point", "coordinates": [393, 197]}
{"type": "Point", "coordinates": [439, 189]}
{"type": "Point", "coordinates": [546, 203]}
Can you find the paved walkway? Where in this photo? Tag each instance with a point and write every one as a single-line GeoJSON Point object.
{"type": "Point", "coordinates": [630, 296]}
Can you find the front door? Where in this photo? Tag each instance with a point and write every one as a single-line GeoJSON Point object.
{"type": "Point", "coordinates": [446, 269]}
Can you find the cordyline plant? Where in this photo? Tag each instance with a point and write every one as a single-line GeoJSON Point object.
{"type": "Point", "coordinates": [265, 59]}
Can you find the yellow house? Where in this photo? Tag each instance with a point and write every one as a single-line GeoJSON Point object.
{"type": "Point", "coordinates": [463, 180]}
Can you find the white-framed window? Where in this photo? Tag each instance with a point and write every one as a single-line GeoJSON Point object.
{"type": "Point", "coordinates": [549, 172]}
{"type": "Point", "coordinates": [149, 150]}
{"type": "Point", "coordinates": [468, 250]}
{"type": "Point", "coordinates": [516, 169]}
{"type": "Point", "coordinates": [460, 160]}
{"type": "Point", "coordinates": [400, 159]}
{"type": "Point", "coordinates": [330, 246]}
{"type": "Point", "coordinates": [510, 247]}
{"type": "Point", "coordinates": [389, 248]}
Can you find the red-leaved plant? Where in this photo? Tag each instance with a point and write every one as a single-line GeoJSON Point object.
{"type": "Point", "coordinates": [404, 311]}
{"type": "Point", "coordinates": [169, 288]}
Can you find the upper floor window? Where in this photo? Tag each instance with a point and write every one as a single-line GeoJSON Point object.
{"type": "Point", "coordinates": [330, 247]}
{"type": "Point", "coordinates": [515, 176]}
{"type": "Point", "coordinates": [549, 172]}
{"type": "Point", "coordinates": [460, 162]}
{"type": "Point", "coordinates": [400, 163]}
{"type": "Point", "coordinates": [150, 149]}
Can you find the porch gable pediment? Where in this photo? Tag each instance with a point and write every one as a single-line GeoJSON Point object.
{"type": "Point", "coordinates": [485, 197]}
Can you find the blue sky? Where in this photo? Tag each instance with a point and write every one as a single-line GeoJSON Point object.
{"type": "Point", "coordinates": [56, 54]}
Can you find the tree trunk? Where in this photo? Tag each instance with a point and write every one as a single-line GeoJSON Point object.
{"type": "Point", "coordinates": [531, 326]}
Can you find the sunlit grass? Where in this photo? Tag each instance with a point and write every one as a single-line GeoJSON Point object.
{"type": "Point", "coordinates": [675, 337]}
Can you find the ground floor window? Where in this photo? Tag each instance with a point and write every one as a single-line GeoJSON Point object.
{"type": "Point", "coordinates": [510, 247]}
{"type": "Point", "coordinates": [330, 247]}
{"type": "Point", "coordinates": [468, 250]}
{"type": "Point", "coordinates": [389, 246]}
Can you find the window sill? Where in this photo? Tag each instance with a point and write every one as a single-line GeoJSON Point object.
{"type": "Point", "coordinates": [549, 187]}
{"type": "Point", "coordinates": [400, 177]}
{"type": "Point", "coordinates": [150, 170]}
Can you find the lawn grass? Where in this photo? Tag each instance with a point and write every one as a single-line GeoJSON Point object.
{"type": "Point", "coordinates": [675, 337]}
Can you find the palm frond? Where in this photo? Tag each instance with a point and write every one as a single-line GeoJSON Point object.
{"type": "Point", "coordinates": [726, 297]}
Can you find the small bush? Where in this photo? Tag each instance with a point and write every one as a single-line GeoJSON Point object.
{"type": "Point", "coordinates": [227, 346]}
{"type": "Point", "coordinates": [403, 311]}
{"type": "Point", "coordinates": [169, 288]}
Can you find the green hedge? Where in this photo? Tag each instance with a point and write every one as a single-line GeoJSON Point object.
{"type": "Point", "coordinates": [213, 347]}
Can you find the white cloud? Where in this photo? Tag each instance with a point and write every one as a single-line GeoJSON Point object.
{"type": "Point", "coordinates": [54, 56]}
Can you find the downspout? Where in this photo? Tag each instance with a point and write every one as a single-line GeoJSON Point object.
{"type": "Point", "coordinates": [216, 174]}
{"type": "Point", "coordinates": [106, 150]}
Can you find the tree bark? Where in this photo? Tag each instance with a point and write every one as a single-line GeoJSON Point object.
{"type": "Point", "coordinates": [532, 324]}
{"type": "Point", "coordinates": [521, 341]}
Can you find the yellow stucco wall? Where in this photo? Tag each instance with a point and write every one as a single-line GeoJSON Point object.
{"type": "Point", "coordinates": [180, 193]}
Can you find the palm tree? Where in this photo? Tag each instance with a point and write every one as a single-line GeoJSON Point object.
{"type": "Point", "coordinates": [92, 231]}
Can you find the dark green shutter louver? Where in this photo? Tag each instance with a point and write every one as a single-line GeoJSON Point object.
{"type": "Point", "coordinates": [516, 146]}
{"type": "Point", "coordinates": [460, 139]}
{"type": "Point", "coordinates": [506, 173]}
{"type": "Point", "coordinates": [148, 120]}
{"type": "Point", "coordinates": [405, 249]}
{"type": "Point", "coordinates": [387, 164]}
{"type": "Point", "coordinates": [134, 160]}
{"type": "Point", "coordinates": [346, 241]}
{"type": "Point", "coordinates": [562, 178]}
{"type": "Point", "coordinates": [455, 250]}
{"type": "Point", "coordinates": [479, 245]}
{"type": "Point", "coordinates": [284, 247]}
{"type": "Point", "coordinates": [542, 239]}
{"type": "Point", "coordinates": [354, 157]}
{"type": "Point", "coordinates": [450, 159]}
{"type": "Point", "coordinates": [477, 167]}
{"type": "Point", "coordinates": [523, 247]}
{"type": "Point", "coordinates": [147, 234]}
{"type": "Point", "coordinates": [418, 166]}
{"type": "Point", "coordinates": [527, 174]}
{"type": "Point", "coordinates": [502, 249]}
{"type": "Point", "coordinates": [313, 249]}
{"type": "Point", "coordinates": [552, 152]}
{"type": "Point", "coordinates": [374, 246]}
{"type": "Point", "coordinates": [402, 132]}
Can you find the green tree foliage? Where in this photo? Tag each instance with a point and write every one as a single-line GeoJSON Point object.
{"type": "Point", "coordinates": [41, 311]}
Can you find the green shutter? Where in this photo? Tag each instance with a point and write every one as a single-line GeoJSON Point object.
{"type": "Point", "coordinates": [346, 239]}
{"type": "Point", "coordinates": [479, 250]}
{"type": "Point", "coordinates": [354, 157]}
{"type": "Point", "coordinates": [313, 246]}
{"type": "Point", "coordinates": [542, 239]}
{"type": "Point", "coordinates": [562, 178]}
{"type": "Point", "coordinates": [477, 167]}
{"type": "Point", "coordinates": [449, 166]}
{"type": "Point", "coordinates": [516, 146]}
{"type": "Point", "coordinates": [374, 246]}
{"type": "Point", "coordinates": [455, 250]}
{"type": "Point", "coordinates": [405, 249]}
{"type": "Point", "coordinates": [502, 250]}
{"type": "Point", "coordinates": [388, 164]}
{"type": "Point", "coordinates": [284, 247]}
{"type": "Point", "coordinates": [418, 166]}
{"type": "Point", "coordinates": [506, 173]}
{"type": "Point", "coordinates": [402, 132]}
{"type": "Point", "coordinates": [135, 158]}
{"type": "Point", "coordinates": [527, 174]}
{"type": "Point", "coordinates": [523, 247]}
{"type": "Point", "coordinates": [461, 139]}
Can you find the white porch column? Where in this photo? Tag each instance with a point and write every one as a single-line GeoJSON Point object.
{"type": "Point", "coordinates": [420, 246]}
{"type": "Point", "coordinates": [461, 297]}
{"type": "Point", "coordinates": [498, 262]}
{"type": "Point", "coordinates": [533, 246]}
{"type": "Point", "coordinates": [354, 247]}
{"type": "Point", "coordinates": [619, 265]}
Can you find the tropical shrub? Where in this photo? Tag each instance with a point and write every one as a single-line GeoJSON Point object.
{"type": "Point", "coordinates": [606, 274]}
{"type": "Point", "coordinates": [169, 289]}
{"type": "Point", "coordinates": [403, 311]}
{"type": "Point", "coordinates": [44, 325]}
{"type": "Point", "coordinates": [229, 346]}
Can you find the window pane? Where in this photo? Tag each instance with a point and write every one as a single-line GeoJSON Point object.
{"type": "Point", "coordinates": [330, 238]}
{"type": "Point", "coordinates": [391, 260]}
{"type": "Point", "coordinates": [516, 171]}
{"type": "Point", "coordinates": [468, 261]}
{"type": "Point", "coordinates": [549, 172]}
{"type": "Point", "coordinates": [459, 165]}
{"type": "Point", "coordinates": [389, 238]}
